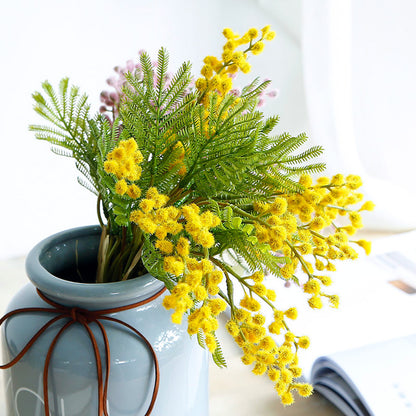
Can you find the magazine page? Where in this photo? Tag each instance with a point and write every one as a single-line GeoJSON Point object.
{"type": "Point", "coordinates": [327, 380]}
{"type": "Point", "coordinates": [375, 380]}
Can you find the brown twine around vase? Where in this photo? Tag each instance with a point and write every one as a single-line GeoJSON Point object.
{"type": "Point", "coordinates": [84, 317]}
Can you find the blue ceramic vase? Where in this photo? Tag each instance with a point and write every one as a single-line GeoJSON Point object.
{"type": "Point", "coordinates": [183, 389]}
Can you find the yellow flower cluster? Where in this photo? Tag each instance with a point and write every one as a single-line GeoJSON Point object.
{"type": "Point", "coordinates": [217, 73]}
{"type": "Point", "coordinates": [199, 281]}
{"type": "Point", "coordinates": [295, 224]}
{"type": "Point", "coordinates": [196, 279]}
{"type": "Point", "coordinates": [280, 363]}
{"type": "Point", "coordinates": [154, 218]}
{"type": "Point", "coordinates": [198, 225]}
{"type": "Point", "coordinates": [123, 162]}
{"type": "Point", "coordinates": [317, 207]}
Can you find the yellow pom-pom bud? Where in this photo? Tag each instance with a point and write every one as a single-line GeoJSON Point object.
{"type": "Point", "coordinates": [265, 30]}
{"type": "Point", "coordinates": [232, 328]}
{"type": "Point", "coordinates": [201, 293]}
{"type": "Point", "coordinates": [252, 33]}
{"type": "Point", "coordinates": [305, 249]}
{"type": "Point", "coordinates": [177, 317]}
{"type": "Point", "coordinates": [287, 398]}
{"type": "Point", "coordinates": [270, 35]}
{"type": "Point", "coordinates": [217, 306]}
{"type": "Point", "coordinates": [285, 355]}
{"type": "Point", "coordinates": [228, 33]}
{"type": "Point", "coordinates": [173, 265]}
{"type": "Point", "coordinates": [296, 371]}
{"type": "Point", "coordinates": [330, 267]}
{"type": "Point", "coordinates": [325, 280]}
{"type": "Point", "coordinates": [121, 187]}
{"type": "Point", "coordinates": [164, 246]}
{"type": "Point", "coordinates": [206, 239]}
{"type": "Point", "coordinates": [337, 179]}
{"type": "Point", "coordinates": [213, 290]}
{"type": "Point", "coordinates": [242, 315]}
{"type": "Point", "coordinates": [319, 265]}
{"type": "Point", "coordinates": [280, 387]}
{"type": "Point", "coordinates": [201, 84]}
{"type": "Point", "coordinates": [292, 313]}
{"type": "Point", "coordinates": [245, 68]}
{"type": "Point", "coordinates": [215, 277]}
{"type": "Point", "coordinates": [182, 247]}
{"type": "Point", "coordinates": [210, 342]}
{"type": "Point", "coordinates": [207, 71]}
{"type": "Point", "coordinates": [286, 376]}
{"type": "Point", "coordinates": [317, 224]}
{"type": "Point", "coordinates": [304, 390]}
{"type": "Point", "coordinates": [315, 302]}
{"type": "Point", "coordinates": [138, 157]}
{"type": "Point", "coordinates": [257, 277]}
{"type": "Point", "coordinates": [259, 288]}
{"type": "Point", "coordinates": [367, 206]}
{"type": "Point", "coordinates": [353, 181]}
{"type": "Point", "coordinates": [275, 327]}
{"type": "Point", "coordinates": [181, 289]}
{"type": "Point", "coordinates": [257, 48]}
{"type": "Point", "coordinates": [129, 145]}
{"type": "Point", "coordinates": [111, 166]}
{"type": "Point", "coordinates": [355, 219]}
{"type": "Point", "coordinates": [273, 374]}
{"type": "Point", "coordinates": [117, 154]}
{"type": "Point", "coordinates": [250, 304]}
{"type": "Point", "coordinates": [305, 180]}
{"type": "Point", "coordinates": [160, 200]}
{"type": "Point", "coordinates": [312, 286]}
{"type": "Point", "coordinates": [271, 295]}
{"type": "Point", "coordinates": [366, 245]}
{"type": "Point", "coordinates": [248, 359]}
{"type": "Point", "coordinates": [169, 301]}
{"type": "Point", "coordinates": [267, 343]}
{"type": "Point", "coordinates": [229, 46]}
{"type": "Point", "coordinates": [134, 191]}
{"type": "Point", "coordinates": [146, 205]}
{"type": "Point", "coordinates": [259, 319]}
{"type": "Point", "coordinates": [304, 342]}
{"type": "Point", "coordinates": [334, 300]}
{"type": "Point", "coordinates": [259, 369]}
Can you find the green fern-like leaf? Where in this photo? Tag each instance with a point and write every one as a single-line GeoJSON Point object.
{"type": "Point", "coordinates": [68, 113]}
{"type": "Point", "coordinates": [218, 356]}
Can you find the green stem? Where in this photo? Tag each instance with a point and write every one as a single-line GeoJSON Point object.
{"type": "Point", "coordinates": [244, 213]}
{"type": "Point", "coordinates": [224, 267]}
{"type": "Point", "coordinates": [99, 199]}
{"type": "Point", "coordinates": [336, 207]}
{"type": "Point", "coordinates": [133, 263]}
{"type": "Point", "coordinates": [300, 258]}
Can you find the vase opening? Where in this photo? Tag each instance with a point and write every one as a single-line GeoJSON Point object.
{"type": "Point", "coordinates": [73, 257]}
{"type": "Point", "coordinates": [82, 273]}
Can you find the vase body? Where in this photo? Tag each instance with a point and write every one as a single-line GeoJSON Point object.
{"type": "Point", "coordinates": [73, 390]}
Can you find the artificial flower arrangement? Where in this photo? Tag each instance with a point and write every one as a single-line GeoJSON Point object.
{"type": "Point", "coordinates": [188, 173]}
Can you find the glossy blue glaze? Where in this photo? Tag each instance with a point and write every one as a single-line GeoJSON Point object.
{"type": "Point", "coordinates": [72, 377]}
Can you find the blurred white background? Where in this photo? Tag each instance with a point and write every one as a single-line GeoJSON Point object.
{"type": "Point", "coordinates": [344, 68]}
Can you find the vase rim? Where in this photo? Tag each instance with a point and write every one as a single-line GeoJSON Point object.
{"type": "Point", "coordinates": [90, 295]}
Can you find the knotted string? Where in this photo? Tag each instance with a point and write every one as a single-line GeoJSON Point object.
{"type": "Point", "coordinates": [84, 317]}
